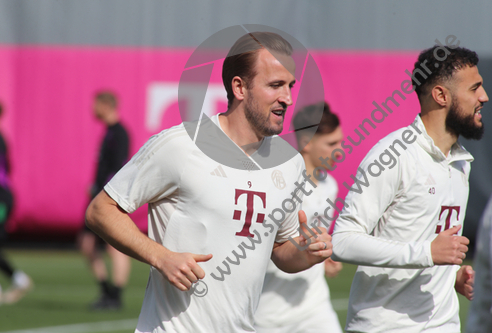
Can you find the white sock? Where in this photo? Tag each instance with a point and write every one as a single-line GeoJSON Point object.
{"type": "Point", "coordinates": [20, 279]}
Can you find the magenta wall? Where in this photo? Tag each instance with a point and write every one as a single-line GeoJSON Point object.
{"type": "Point", "coordinates": [53, 137]}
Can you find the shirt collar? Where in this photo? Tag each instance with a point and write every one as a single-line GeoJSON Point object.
{"type": "Point", "coordinates": [457, 153]}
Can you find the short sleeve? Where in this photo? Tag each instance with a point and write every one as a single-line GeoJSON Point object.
{"type": "Point", "coordinates": [154, 171]}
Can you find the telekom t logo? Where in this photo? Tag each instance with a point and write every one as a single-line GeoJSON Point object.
{"type": "Point", "coordinates": [450, 210]}
{"type": "Point", "coordinates": [250, 198]}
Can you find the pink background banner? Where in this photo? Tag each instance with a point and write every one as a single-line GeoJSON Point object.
{"type": "Point", "coordinates": [53, 136]}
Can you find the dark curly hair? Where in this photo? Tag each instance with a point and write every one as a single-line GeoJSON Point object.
{"type": "Point", "coordinates": [441, 65]}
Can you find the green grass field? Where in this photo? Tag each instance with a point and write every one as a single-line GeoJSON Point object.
{"type": "Point", "coordinates": [64, 287]}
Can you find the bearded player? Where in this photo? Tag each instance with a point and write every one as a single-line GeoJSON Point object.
{"type": "Point", "coordinates": [200, 210]}
{"type": "Point", "coordinates": [404, 226]}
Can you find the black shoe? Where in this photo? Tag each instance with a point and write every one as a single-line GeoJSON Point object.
{"type": "Point", "coordinates": [106, 302]}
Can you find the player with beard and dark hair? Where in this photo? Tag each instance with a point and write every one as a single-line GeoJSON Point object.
{"type": "Point", "coordinates": [404, 229]}
{"type": "Point", "coordinates": [439, 64]}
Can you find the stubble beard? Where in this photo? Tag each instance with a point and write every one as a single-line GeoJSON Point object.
{"type": "Point", "coordinates": [459, 124]}
{"type": "Point", "coordinates": [258, 121]}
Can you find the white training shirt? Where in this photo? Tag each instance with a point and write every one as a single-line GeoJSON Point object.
{"type": "Point", "coordinates": [391, 225]}
{"type": "Point", "coordinates": [291, 298]}
{"type": "Point", "coordinates": [197, 205]}
{"type": "Point", "coordinates": [480, 312]}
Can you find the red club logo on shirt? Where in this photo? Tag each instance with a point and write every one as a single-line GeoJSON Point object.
{"type": "Point", "coordinates": [450, 210]}
{"type": "Point", "coordinates": [250, 197]}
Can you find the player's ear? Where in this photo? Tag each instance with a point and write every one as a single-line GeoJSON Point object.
{"type": "Point", "coordinates": [441, 95]}
{"type": "Point", "coordinates": [238, 88]}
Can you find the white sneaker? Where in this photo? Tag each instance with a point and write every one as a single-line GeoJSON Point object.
{"type": "Point", "coordinates": [21, 284]}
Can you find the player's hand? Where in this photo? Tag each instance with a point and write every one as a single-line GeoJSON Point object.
{"type": "Point", "coordinates": [319, 243]}
{"type": "Point", "coordinates": [182, 269]}
{"type": "Point", "coordinates": [464, 281]}
{"type": "Point", "coordinates": [448, 248]}
{"type": "Point", "coordinates": [332, 268]}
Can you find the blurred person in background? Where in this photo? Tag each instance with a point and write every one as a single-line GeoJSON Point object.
{"type": "Point", "coordinates": [300, 302]}
{"type": "Point", "coordinates": [113, 154]}
{"type": "Point", "coordinates": [21, 283]}
{"type": "Point", "coordinates": [480, 312]}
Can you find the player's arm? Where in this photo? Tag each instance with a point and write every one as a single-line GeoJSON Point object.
{"type": "Point", "coordinates": [150, 176]}
{"type": "Point", "coordinates": [291, 259]}
{"type": "Point", "coordinates": [113, 224]}
{"type": "Point", "coordinates": [353, 239]}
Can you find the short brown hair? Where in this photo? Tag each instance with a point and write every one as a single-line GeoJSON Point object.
{"type": "Point", "coordinates": [308, 117]}
{"type": "Point", "coordinates": [241, 59]}
{"type": "Point", "coordinates": [107, 97]}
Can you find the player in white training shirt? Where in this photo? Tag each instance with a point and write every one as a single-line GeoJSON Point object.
{"type": "Point", "coordinates": [403, 218]}
{"type": "Point", "coordinates": [300, 303]}
{"type": "Point", "coordinates": [201, 210]}
{"type": "Point", "coordinates": [480, 312]}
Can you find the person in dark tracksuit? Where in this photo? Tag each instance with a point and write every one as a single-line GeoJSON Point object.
{"type": "Point", "coordinates": [113, 154]}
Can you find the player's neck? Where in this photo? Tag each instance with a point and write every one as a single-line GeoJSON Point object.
{"type": "Point", "coordinates": [435, 126]}
{"type": "Point", "coordinates": [309, 168]}
{"type": "Point", "coordinates": [237, 128]}
{"type": "Point", "coordinates": [111, 119]}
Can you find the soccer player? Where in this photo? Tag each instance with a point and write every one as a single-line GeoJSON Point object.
{"type": "Point", "coordinates": [480, 312]}
{"type": "Point", "coordinates": [113, 154]}
{"type": "Point", "coordinates": [21, 282]}
{"type": "Point", "coordinates": [403, 218]}
{"type": "Point", "coordinates": [200, 210]}
{"type": "Point", "coordinates": [300, 303]}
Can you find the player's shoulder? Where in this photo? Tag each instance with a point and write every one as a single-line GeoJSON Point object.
{"type": "Point", "coordinates": [286, 151]}
{"type": "Point", "coordinates": [172, 143]}
{"type": "Point", "coordinates": [121, 127]}
{"type": "Point", "coordinates": [276, 152]}
{"type": "Point", "coordinates": [329, 180]}
{"type": "Point", "coordinates": [401, 142]}
{"type": "Point", "coordinates": [293, 166]}
{"type": "Point", "coordinates": [298, 161]}
{"type": "Point", "coordinates": [176, 135]}
{"type": "Point", "coordinates": [407, 135]}
{"type": "Point", "coordinates": [119, 132]}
